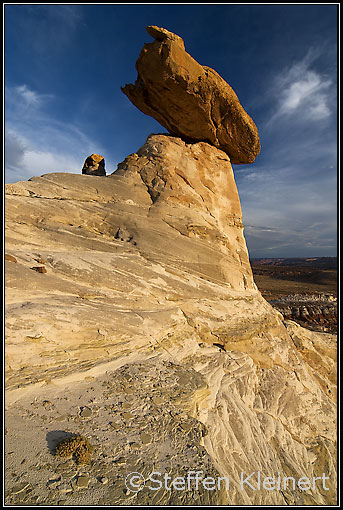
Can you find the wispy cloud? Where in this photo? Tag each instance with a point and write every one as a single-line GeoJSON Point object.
{"type": "Point", "coordinates": [29, 96]}
{"type": "Point", "coordinates": [318, 240]}
{"type": "Point", "coordinates": [286, 212]}
{"type": "Point", "coordinates": [289, 196]}
{"type": "Point", "coordinates": [309, 93]}
{"type": "Point", "coordinates": [21, 100]}
{"type": "Point", "coordinates": [302, 92]}
{"type": "Point", "coordinates": [35, 142]}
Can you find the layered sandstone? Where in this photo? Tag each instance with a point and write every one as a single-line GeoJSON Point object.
{"type": "Point", "coordinates": [190, 100]}
{"type": "Point", "coordinates": [148, 315]}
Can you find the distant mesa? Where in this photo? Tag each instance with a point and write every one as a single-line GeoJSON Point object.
{"type": "Point", "coordinates": [94, 165]}
{"type": "Point", "coordinates": [190, 100]}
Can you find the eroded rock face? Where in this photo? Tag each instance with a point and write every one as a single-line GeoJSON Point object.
{"type": "Point", "coordinates": [190, 100]}
{"type": "Point", "coordinates": [182, 180]}
{"type": "Point", "coordinates": [314, 311]}
{"type": "Point", "coordinates": [147, 267]}
{"type": "Point", "coordinates": [94, 165]}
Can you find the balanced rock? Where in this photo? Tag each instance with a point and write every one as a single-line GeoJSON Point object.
{"type": "Point", "coordinates": [94, 165]}
{"type": "Point", "coordinates": [190, 100]}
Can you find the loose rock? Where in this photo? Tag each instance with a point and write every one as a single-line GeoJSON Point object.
{"type": "Point", "coordinates": [10, 258]}
{"type": "Point", "coordinates": [86, 412]}
{"type": "Point", "coordinates": [82, 482]}
{"type": "Point", "coordinates": [20, 488]}
{"type": "Point", "coordinates": [39, 269]}
{"type": "Point", "coordinates": [146, 439]}
{"type": "Point", "coordinates": [64, 488]}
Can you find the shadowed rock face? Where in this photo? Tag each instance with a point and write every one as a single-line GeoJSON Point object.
{"type": "Point", "coordinates": [190, 100]}
{"type": "Point", "coordinates": [149, 293]}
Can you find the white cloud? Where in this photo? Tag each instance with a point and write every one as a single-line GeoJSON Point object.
{"type": "Point", "coordinates": [302, 92]}
{"type": "Point", "coordinates": [29, 96]}
{"type": "Point", "coordinates": [308, 94]}
{"type": "Point", "coordinates": [45, 162]}
{"type": "Point", "coordinates": [23, 159]}
{"type": "Point", "coordinates": [21, 101]}
{"type": "Point", "coordinates": [307, 91]}
{"type": "Point", "coordinates": [14, 150]}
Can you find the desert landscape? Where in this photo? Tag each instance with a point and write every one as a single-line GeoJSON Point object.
{"type": "Point", "coordinates": [141, 343]}
{"type": "Point", "coordinates": [303, 290]}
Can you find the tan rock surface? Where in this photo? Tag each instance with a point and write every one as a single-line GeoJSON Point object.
{"type": "Point", "coordinates": [190, 100]}
{"type": "Point", "coordinates": [145, 267]}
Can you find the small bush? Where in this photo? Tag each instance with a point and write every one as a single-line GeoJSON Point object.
{"type": "Point", "coordinates": [77, 447]}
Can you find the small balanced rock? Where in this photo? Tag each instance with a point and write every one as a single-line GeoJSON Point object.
{"type": "Point", "coordinates": [94, 165]}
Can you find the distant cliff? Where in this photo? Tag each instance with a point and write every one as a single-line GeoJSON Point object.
{"type": "Point", "coordinates": [317, 262]}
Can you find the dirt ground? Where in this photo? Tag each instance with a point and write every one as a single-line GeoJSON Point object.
{"type": "Point", "coordinates": [278, 281]}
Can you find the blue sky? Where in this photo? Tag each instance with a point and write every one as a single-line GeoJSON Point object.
{"type": "Point", "coordinates": [65, 64]}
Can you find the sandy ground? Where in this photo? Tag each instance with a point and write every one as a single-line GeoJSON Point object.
{"type": "Point", "coordinates": [136, 418]}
